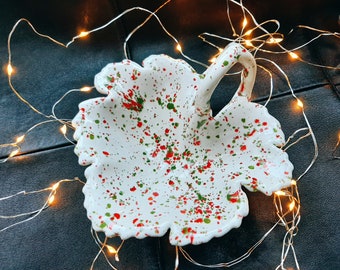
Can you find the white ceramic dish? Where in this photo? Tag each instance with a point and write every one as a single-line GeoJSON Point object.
{"type": "Point", "coordinates": [160, 161]}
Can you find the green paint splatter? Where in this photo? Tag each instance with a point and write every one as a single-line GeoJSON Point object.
{"type": "Point", "coordinates": [207, 220]}
{"type": "Point", "coordinates": [140, 100]}
{"type": "Point", "coordinates": [201, 123]}
{"type": "Point", "coordinates": [170, 106]}
{"type": "Point", "coordinates": [200, 197]}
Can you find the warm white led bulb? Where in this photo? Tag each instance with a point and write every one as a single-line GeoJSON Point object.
{"type": "Point", "coordinates": [273, 40]}
{"type": "Point", "coordinates": [212, 59]}
{"type": "Point", "coordinates": [83, 34]}
{"type": "Point", "coordinates": [55, 186]}
{"type": "Point", "coordinates": [85, 89]}
{"type": "Point", "coordinates": [280, 193]}
{"type": "Point", "coordinates": [248, 43]}
{"type": "Point", "coordinates": [245, 22]}
{"type": "Point", "coordinates": [248, 32]}
{"type": "Point", "coordinates": [20, 139]}
{"type": "Point", "coordinates": [291, 205]}
{"type": "Point", "coordinates": [299, 103]}
{"type": "Point", "coordinates": [9, 69]}
{"type": "Point", "coordinates": [111, 249]}
{"type": "Point", "coordinates": [51, 199]}
{"type": "Point", "coordinates": [14, 153]}
{"type": "Point", "coordinates": [293, 55]}
{"type": "Point", "coordinates": [63, 129]}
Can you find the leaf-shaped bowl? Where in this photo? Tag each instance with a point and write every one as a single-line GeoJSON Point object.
{"type": "Point", "coordinates": [158, 158]}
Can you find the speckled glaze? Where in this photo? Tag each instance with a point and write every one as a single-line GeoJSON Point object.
{"type": "Point", "coordinates": [158, 158]}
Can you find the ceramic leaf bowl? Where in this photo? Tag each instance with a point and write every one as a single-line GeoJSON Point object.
{"type": "Point", "coordinates": [159, 159]}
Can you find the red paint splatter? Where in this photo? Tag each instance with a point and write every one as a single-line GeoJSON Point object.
{"type": "Point", "coordinates": [253, 183]}
{"type": "Point", "coordinates": [155, 153]}
{"type": "Point", "coordinates": [243, 147]}
{"type": "Point", "coordinates": [234, 198]}
{"type": "Point", "coordinates": [135, 104]}
{"type": "Point", "coordinates": [196, 142]}
{"type": "Point", "coordinates": [199, 220]}
{"type": "Point", "coordinates": [198, 211]}
{"type": "Point", "coordinates": [252, 133]}
{"type": "Point", "coordinates": [170, 154]}
{"type": "Point", "coordinates": [162, 147]}
{"type": "Point", "coordinates": [245, 72]}
{"type": "Point", "coordinates": [242, 88]}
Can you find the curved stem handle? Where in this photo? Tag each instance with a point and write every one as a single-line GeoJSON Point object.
{"type": "Point", "coordinates": [232, 54]}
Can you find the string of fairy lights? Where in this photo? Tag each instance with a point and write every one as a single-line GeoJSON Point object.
{"type": "Point", "coordinates": [286, 201]}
